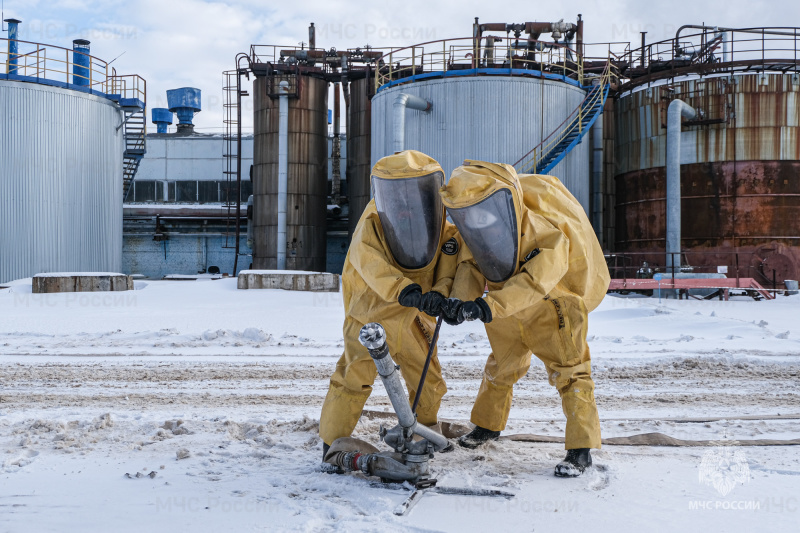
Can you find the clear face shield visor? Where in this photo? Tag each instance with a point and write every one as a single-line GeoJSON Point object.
{"type": "Point", "coordinates": [411, 215]}
{"type": "Point", "coordinates": [489, 229]}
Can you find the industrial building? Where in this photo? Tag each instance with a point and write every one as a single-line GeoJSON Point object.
{"type": "Point", "coordinates": [683, 152]}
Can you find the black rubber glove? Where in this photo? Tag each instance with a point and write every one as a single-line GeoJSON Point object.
{"type": "Point", "coordinates": [411, 296]}
{"type": "Point", "coordinates": [450, 311]}
{"type": "Point", "coordinates": [477, 309]}
{"type": "Point", "coordinates": [432, 303]}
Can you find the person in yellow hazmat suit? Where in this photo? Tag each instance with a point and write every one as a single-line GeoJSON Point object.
{"type": "Point", "coordinates": [531, 241]}
{"type": "Point", "coordinates": [398, 271]}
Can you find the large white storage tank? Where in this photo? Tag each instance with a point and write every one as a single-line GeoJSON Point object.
{"type": "Point", "coordinates": [61, 164]}
{"type": "Point", "coordinates": [490, 118]}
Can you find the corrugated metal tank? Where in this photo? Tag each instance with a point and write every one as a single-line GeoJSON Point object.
{"type": "Point", "coordinates": [490, 118]}
{"type": "Point", "coordinates": [60, 181]}
{"type": "Point", "coordinates": [359, 138]}
{"type": "Point", "coordinates": [739, 179]}
{"type": "Point", "coordinates": [307, 188]}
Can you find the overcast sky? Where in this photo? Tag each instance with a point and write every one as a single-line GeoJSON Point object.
{"type": "Point", "coordinates": [179, 43]}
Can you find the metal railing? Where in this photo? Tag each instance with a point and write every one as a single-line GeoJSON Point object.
{"type": "Point", "coordinates": [737, 265]}
{"type": "Point", "coordinates": [465, 53]}
{"type": "Point", "coordinates": [573, 123]}
{"type": "Point", "coordinates": [37, 61]}
{"type": "Point", "coordinates": [326, 60]}
{"type": "Point", "coordinates": [714, 50]}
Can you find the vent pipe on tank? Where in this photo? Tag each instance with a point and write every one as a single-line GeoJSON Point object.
{"type": "Point", "coordinates": [13, 45]}
{"type": "Point", "coordinates": [677, 109]}
{"type": "Point", "coordinates": [312, 37]}
{"type": "Point", "coordinates": [401, 102]}
{"type": "Point", "coordinates": [184, 102]}
{"type": "Point", "coordinates": [283, 171]}
{"type": "Point", "coordinates": [81, 63]}
{"type": "Point", "coordinates": [162, 117]}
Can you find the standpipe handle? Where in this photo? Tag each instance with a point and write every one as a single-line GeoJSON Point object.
{"type": "Point", "coordinates": [427, 364]}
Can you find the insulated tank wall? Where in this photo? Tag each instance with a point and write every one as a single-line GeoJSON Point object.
{"type": "Point", "coordinates": [490, 118]}
{"type": "Point", "coordinates": [60, 181]}
{"type": "Point", "coordinates": [358, 149]}
{"type": "Point", "coordinates": [739, 178]}
{"type": "Point", "coordinates": [307, 176]}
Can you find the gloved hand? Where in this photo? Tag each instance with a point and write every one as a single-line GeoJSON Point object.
{"type": "Point", "coordinates": [432, 303]}
{"type": "Point", "coordinates": [477, 309]}
{"type": "Point", "coordinates": [450, 311]}
{"type": "Point", "coordinates": [411, 296]}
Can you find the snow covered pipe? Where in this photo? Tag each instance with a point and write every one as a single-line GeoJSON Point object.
{"type": "Point", "coordinates": [401, 102]}
{"type": "Point", "coordinates": [13, 45]}
{"type": "Point", "coordinates": [283, 171]}
{"type": "Point", "coordinates": [81, 63]}
{"type": "Point", "coordinates": [676, 110]}
{"type": "Point", "coordinates": [373, 337]}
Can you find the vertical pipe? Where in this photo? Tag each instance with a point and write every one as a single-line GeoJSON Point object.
{"type": "Point", "coordinates": [597, 177]}
{"type": "Point", "coordinates": [643, 46]}
{"type": "Point", "coordinates": [579, 38]}
{"type": "Point", "coordinates": [283, 171]}
{"type": "Point", "coordinates": [401, 102]}
{"type": "Point", "coordinates": [13, 45]}
{"type": "Point", "coordinates": [312, 37]}
{"type": "Point", "coordinates": [336, 149]}
{"type": "Point", "coordinates": [677, 109]}
{"type": "Point", "coordinates": [81, 63]}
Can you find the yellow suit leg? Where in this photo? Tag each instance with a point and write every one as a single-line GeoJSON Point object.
{"type": "Point", "coordinates": [508, 362]}
{"type": "Point", "coordinates": [351, 382]}
{"type": "Point", "coordinates": [557, 336]}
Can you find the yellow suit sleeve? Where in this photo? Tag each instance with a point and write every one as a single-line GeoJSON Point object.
{"type": "Point", "coordinates": [469, 282]}
{"type": "Point", "coordinates": [538, 276]}
{"type": "Point", "coordinates": [447, 264]}
{"type": "Point", "coordinates": [369, 257]}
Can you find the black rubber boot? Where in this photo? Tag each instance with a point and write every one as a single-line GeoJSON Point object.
{"type": "Point", "coordinates": [477, 436]}
{"type": "Point", "coordinates": [574, 463]}
{"type": "Point", "coordinates": [325, 448]}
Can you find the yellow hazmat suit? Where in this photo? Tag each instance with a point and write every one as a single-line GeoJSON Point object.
{"type": "Point", "coordinates": [542, 284]}
{"type": "Point", "coordinates": [372, 280]}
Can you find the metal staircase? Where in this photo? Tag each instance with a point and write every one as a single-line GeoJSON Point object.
{"type": "Point", "coordinates": [134, 148]}
{"type": "Point", "coordinates": [553, 149]}
{"type": "Point", "coordinates": [130, 93]}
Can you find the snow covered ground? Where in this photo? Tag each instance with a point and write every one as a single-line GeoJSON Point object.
{"type": "Point", "coordinates": [191, 406]}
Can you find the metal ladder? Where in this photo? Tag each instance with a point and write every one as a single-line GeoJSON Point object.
{"type": "Point", "coordinates": [135, 148]}
{"type": "Point", "coordinates": [130, 92]}
{"type": "Point", "coordinates": [553, 149]}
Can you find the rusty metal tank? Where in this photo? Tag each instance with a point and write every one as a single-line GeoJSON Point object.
{"type": "Point", "coordinates": [739, 174]}
{"type": "Point", "coordinates": [358, 148]}
{"type": "Point", "coordinates": [307, 173]}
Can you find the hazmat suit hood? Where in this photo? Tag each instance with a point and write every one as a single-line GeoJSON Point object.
{"type": "Point", "coordinates": [405, 188]}
{"type": "Point", "coordinates": [484, 201]}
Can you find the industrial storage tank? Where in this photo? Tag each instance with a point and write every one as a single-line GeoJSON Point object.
{"type": "Point", "coordinates": [739, 161]}
{"type": "Point", "coordinates": [307, 171]}
{"type": "Point", "coordinates": [489, 118]}
{"type": "Point", "coordinates": [518, 100]}
{"type": "Point", "coordinates": [61, 177]}
{"type": "Point", "coordinates": [359, 162]}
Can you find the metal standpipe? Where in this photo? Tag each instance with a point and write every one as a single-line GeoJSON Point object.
{"type": "Point", "coordinates": [81, 63]}
{"type": "Point", "coordinates": [13, 45]}
{"type": "Point", "coordinates": [373, 337]}
{"type": "Point", "coordinates": [283, 171]}
{"type": "Point", "coordinates": [676, 110]}
{"type": "Point", "coordinates": [401, 102]}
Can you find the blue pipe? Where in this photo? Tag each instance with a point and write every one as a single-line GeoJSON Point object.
{"type": "Point", "coordinates": [81, 62]}
{"type": "Point", "coordinates": [13, 45]}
